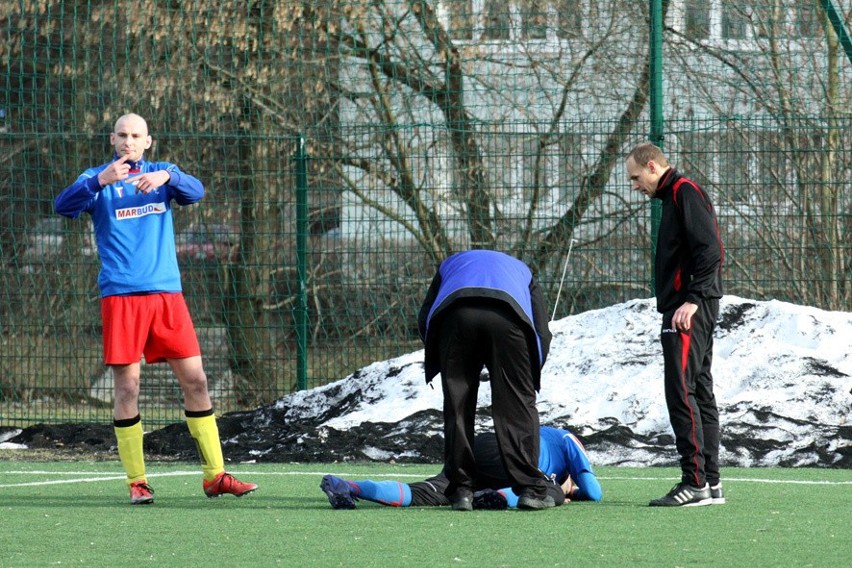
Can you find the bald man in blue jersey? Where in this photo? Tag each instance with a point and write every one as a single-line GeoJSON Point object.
{"type": "Point", "coordinates": [142, 306]}
{"type": "Point", "coordinates": [562, 458]}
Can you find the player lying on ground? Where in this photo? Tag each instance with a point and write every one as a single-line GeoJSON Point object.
{"type": "Point", "coordinates": [561, 457]}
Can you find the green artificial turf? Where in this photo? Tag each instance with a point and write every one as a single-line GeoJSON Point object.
{"type": "Point", "coordinates": [78, 514]}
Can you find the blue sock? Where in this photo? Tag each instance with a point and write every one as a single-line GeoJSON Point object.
{"type": "Point", "coordinates": [511, 498]}
{"type": "Point", "coordinates": [392, 493]}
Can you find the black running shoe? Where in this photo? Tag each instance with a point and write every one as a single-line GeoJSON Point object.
{"type": "Point", "coordinates": [462, 500]}
{"type": "Point", "coordinates": [684, 495]}
{"type": "Point", "coordinates": [531, 503]}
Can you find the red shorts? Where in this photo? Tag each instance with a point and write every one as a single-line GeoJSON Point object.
{"type": "Point", "coordinates": [157, 326]}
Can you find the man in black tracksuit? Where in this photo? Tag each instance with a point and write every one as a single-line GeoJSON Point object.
{"type": "Point", "coordinates": [485, 308]}
{"type": "Point", "coordinates": [687, 275]}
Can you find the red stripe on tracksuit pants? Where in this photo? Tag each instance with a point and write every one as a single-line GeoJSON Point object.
{"type": "Point", "coordinates": [689, 394]}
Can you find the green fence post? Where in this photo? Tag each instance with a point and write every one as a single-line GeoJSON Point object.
{"type": "Point", "coordinates": [301, 162]}
{"type": "Point", "coordinates": [656, 110]}
{"type": "Point", "coordinates": [839, 27]}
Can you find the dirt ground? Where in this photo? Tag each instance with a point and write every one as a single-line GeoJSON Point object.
{"type": "Point", "coordinates": [263, 436]}
{"type": "Point", "coordinates": [246, 437]}
{"type": "Point", "coordinates": [266, 435]}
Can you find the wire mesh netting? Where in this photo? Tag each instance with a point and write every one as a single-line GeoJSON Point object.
{"type": "Point", "coordinates": [347, 147]}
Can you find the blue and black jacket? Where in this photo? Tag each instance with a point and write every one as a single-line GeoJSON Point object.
{"type": "Point", "coordinates": [491, 275]}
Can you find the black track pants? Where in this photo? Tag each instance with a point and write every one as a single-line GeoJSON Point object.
{"type": "Point", "coordinates": [689, 394]}
{"type": "Point", "coordinates": [490, 335]}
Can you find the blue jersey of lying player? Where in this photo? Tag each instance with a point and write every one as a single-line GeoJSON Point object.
{"type": "Point", "coordinates": [562, 459]}
{"type": "Point", "coordinates": [562, 455]}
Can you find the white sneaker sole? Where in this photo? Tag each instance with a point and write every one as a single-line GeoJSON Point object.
{"type": "Point", "coordinates": [702, 503]}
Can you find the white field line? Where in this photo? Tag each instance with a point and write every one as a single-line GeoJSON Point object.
{"type": "Point", "coordinates": [94, 477]}
{"type": "Point", "coordinates": [741, 479]}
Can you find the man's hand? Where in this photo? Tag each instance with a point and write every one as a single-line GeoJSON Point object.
{"type": "Point", "coordinates": [568, 487]}
{"type": "Point", "coordinates": [116, 171]}
{"type": "Point", "coordinates": [682, 318]}
{"type": "Point", "coordinates": [146, 183]}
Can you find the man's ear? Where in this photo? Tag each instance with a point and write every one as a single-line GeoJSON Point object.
{"type": "Point", "coordinates": [148, 142]}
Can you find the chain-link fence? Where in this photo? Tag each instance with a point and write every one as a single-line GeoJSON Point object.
{"type": "Point", "coordinates": [347, 147]}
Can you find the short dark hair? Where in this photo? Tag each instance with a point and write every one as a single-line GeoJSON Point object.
{"type": "Point", "coordinates": [647, 152]}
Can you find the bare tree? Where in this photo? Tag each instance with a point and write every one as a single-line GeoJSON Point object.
{"type": "Point", "coordinates": [407, 66]}
{"type": "Point", "coordinates": [444, 124]}
{"type": "Point", "coordinates": [781, 176]}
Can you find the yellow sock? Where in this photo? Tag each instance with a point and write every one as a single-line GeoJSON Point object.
{"type": "Point", "coordinates": [128, 434]}
{"type": "Point", "coordinates": [205, 432]}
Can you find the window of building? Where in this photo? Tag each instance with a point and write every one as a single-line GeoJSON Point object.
{"type": "Point", "coordinates": [507, 20]}
{"type": "Point", "coordinates": [569, 18]}
{"type": "Point", "coordinates": [496, 20]}
{"type": "Point", "coordinates": [460, 14]}
{"type": "Point", "coordinates": [735, 20]}
{"type": "Point", "coordinates": [697, 20]}
{"type": "Point", "coordinates": [808, 20]}
{"type": "Point", "coordinates": [534, 19]}
{"type": "Point", "coordinates": [766, 20]}
{"type": "Point", "coordinates": [756, 19]}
